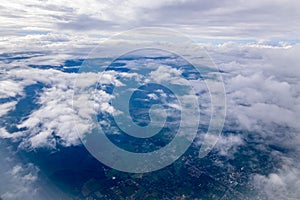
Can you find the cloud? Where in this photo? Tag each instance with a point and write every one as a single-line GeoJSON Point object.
{"type": "Point", "coordinates": [263, 101]}
{"type": "Point", "coordinates": [259, 93]}
{"type": "Point", "coordinates": [262, 85]}
{"type": "Point", "coordinates": [4, 108]}
{"type": "Point", "coordinates": [51, 47]}
{"type": "Point", "coordinates": [199, 19]}
{"type": "Point", "coordinates": [85, 23]}
{"type": "Point", "coordinates": [260, 89]}
{"type": "Point", "coordinates": [55, 115]}
{"type": "Point", "coordinates": [9, 89]}
{"type": "Point", "coordinates": [18, 179]}
{"type": "Point", "coordinates": [227, 145]}
{"type": "Point", "coordinates": [20, 183]}
{"type": "Point", "coordinates": [168, 74]}
{"type": "Point", "coordinates": [283, 184]}
{"type": "Point", "coordinates": [53, 122]}
{"type": "Point", "coordinates": [22, 180]}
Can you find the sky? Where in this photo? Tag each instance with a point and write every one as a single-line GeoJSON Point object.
{"type": "Point", "coordinates": [255, 44]}
{"type": "Point", "coordinates": [215, 20]}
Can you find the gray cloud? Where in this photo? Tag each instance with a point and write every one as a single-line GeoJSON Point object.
{"type": "Point", "coordinates": [85, 23]}
{"type": "Point", "coordinates": [199, 19]}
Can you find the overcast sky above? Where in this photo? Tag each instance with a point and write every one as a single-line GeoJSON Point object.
{"type": "Point", "coordinates": [222, 20]}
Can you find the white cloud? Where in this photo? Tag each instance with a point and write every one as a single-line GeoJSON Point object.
{"type": "Point", "coordinates": [9, 89]}
{"type": "Point", "coordinates": [226, 145]}
{"type": "Point", "coordinates": [257, 90]}
{"type": "Point", "coordinates": [167, 74]}
{"type": "Point", "coordinates": [53, 47]}
{"type": "Point", "coordinates": [260, 88]}
{"type": "Point", "coordinates": [283, 184]}
{"type": "Point", "coordinates": [262, 84]}
{"type": "Point", "coordinates": [20, 182]}
{"type": "Point", "coordinates": [54, 122]}
{"type": "Point", "coordinates": [4, 108]}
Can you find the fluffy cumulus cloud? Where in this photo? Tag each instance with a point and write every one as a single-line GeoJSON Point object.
{"type": "Point", "coordinates": [262, 84]}
{"type": "Point", "coordinates": [262, 90]}
{"type": "Point", "coordinates": [58, 111]}
{"type": "Point", "coordinates": [262, 87]}
{"type": "Point", "coordinates": [283, 184]}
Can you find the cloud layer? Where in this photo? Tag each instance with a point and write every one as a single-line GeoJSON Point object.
{"type": "Point", "coordinates": [200, 19]}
